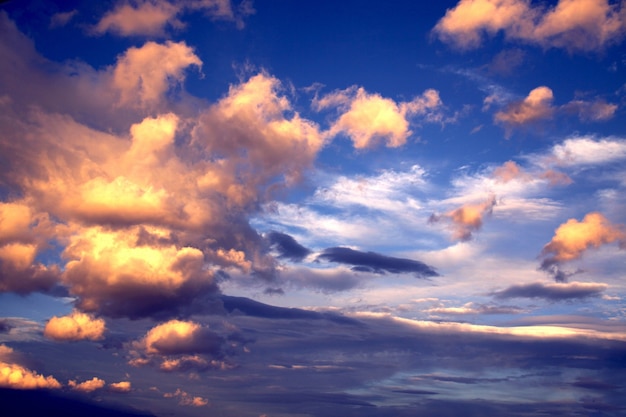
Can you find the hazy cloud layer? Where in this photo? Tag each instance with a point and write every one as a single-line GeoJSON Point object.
{"type": "Point", "coordinates": [553, 291]}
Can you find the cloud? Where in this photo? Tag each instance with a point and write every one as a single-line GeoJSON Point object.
{"type": "Point", "coordinates": [186, 399]}
{"type": "Point", "coordinates": [466, 219]}
{"type": "Point", "coordinates": [537, 106]}
{"type": "Point", "coordinates": [585, 150]}
{"type": "Point", "coordinates": [370, 118]}
{"type": "Point", "coordinates": [142, 84]}
{"type": "Point", "coordinates": [180, 337]}
{"type": "Point", "coordinates": [287, 246]}
{"type": "Point", "coordinates": [573, 238]}
{"type": "Point", "coordinates": [552, 292]}
{"type": "Point", "coordinates": [62, 18]}
{"type": "Point", "coordinates": [15, 376]}
{"type": "Point", "coordinates": [471, 308]}
{"type": "Point", "coordinates": [76, 326]}
{"type": "Point", "coordinates": [376, 263]}
{"type": "Point", "coordinates": [154, 17]}
{"type": "Point", "coordinates": [511, 171]}
{"type": "Point", "coordinates": [91, 385]}
{"type": "Point", "coordinates": [576, 25]}
{"type": "Point", "coordinates": [121, 387]}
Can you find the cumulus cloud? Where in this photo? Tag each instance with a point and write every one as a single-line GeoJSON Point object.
{"type": "Point", "coordinates": [154, 17]}
{"type": "Point", "coordinates": [142, 84]}
{"type": "Point", "coordinates": [573, 238]}
{"type": "Point", "coordinates": [76, 326]}
{"type": "Point", "coordinates": [144, 217]}
{"type": "Point", "coordinates": [552, 291]}
{"type": "Point", "coordinates": [180, 337]}
{"type": "Point", "coordinates": [376, 263]}
{"type": "Point", "coordinates": [186, 399]}
{"type": "Point", "coordinates": [537, 106]}
{"type": "Point", "coordinates": [90, 385]}
{"type": "Point", "coordinates": [15, 376]}
{"type": "Point", "coordinates": [585, 150]}
{"type": "Point", "coordinates": [576, 25]}
{"type": "Point", "coordinates": [121, 387]}
{"type": "Point", "coordinates": [370, 118]}
{"type": "Point", "coordinates": [466, 219]}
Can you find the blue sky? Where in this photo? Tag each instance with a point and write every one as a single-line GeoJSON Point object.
{"type": "Point", "coordinates": [280, 208]}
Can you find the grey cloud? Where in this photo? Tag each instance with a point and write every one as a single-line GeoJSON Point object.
{"type": "Point", "coordinates": [552, 292]}
{"type": "Point", "coordinates": [377, 263]}
{"type": "Point", "coordinates": [287, 246]}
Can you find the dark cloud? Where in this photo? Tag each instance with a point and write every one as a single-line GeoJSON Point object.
{"type": "Point", "coordinates": [377, 263]}
{"type": "Point", "coordinates": [45, 403]}
{"type": "Point", "coordinates": [593, 384]}
{"type": "Point", "coordinates": [5, 326]}
{"type": "Point", "coordinates": [553, 292]}
{"type": "Point", "coordinates": [256, 309]}
{"type": "Point", "coordinates": [287, 246]}
{"type": "Point", "coordinates": [274, 291]}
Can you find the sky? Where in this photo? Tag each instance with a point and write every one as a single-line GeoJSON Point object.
{"type": "Point", "coordinates": [272, 208]}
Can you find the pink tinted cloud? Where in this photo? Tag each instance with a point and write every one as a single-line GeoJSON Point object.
{"type": "Point", "coordinates": [575, 25]}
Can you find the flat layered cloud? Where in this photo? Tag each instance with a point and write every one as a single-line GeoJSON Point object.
{"type": "Point", "coordinates": [73, 327]}
{"type": "Point", "coordinates": [368, 119]}
{"type": "Point", "coordinates": [376, 263]}
{"type": "Point", "coordinates": [552, 291]}
{"type": "Point", "coordinates": [574, 25]}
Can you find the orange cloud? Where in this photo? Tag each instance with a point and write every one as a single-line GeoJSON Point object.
{"type": "Point", "coordinates": [15, 376]}
{"type": "Point", "coordinates": [140, 82]}
{"type": "Point", "coordinates": [142, 18]}
{"type": "Point", "coordinates": [576, 25]}
{"type": "Point", "coordinates": [510, 171]}
{"type": "Point", "coordinates": [179, 337]}
{"type": "Point", "coordinates": [573, 238]}
{"type": "Point", "coordinates": [122, 386]}
{"type": "Point", "coordinates": [536, 106]}
{"type": "Point", "coordinates": [368, 118]}
{"type": "Point", "coordinates": [87, 386]}
{"type": "Point", "coordinates": [466, 219]}
{"type": "Point", "coordinates": [76, 326]}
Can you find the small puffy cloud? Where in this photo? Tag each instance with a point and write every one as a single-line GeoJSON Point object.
{"type": "Point", "coordinates": [121, 387]}
{"type": "Point", "coordinates": [369, 118]}
{"type": "Point", "coordinates": [536, 106]}
{"type": "Point", "coordinates": [62, 18]}
{"type": "Point", "coordinates": [376, 263]}
{"type": "Point", "coordinates": [147, 18]}
{"type": "Point", "coordinates": [180, 337]}
{"type": "Point", "coordinates": [573, 238]}
{"type": "Point", "coordinates": [594, 111]}
{"type": "Point", "coordinates": [511, 171]}
{"type": "Point", "coordinates": [153, 17]}
{"type": "Point", "coordinates": [76, 326]}
{"type": "Point", "coordinates": [576, 25]}
{"type": "Point", "coordinates": [15, 376]}
{"type": "Point", "coordinates": [91, 385]}
{"type": "Point", "coordinates": [552, 292]}
{"type": "Point", "coordinates": [142, 84]}
{"type": "Point", "coordinates": [466, 219]}
{"type": "Point", "coordinates": [186, 399]}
